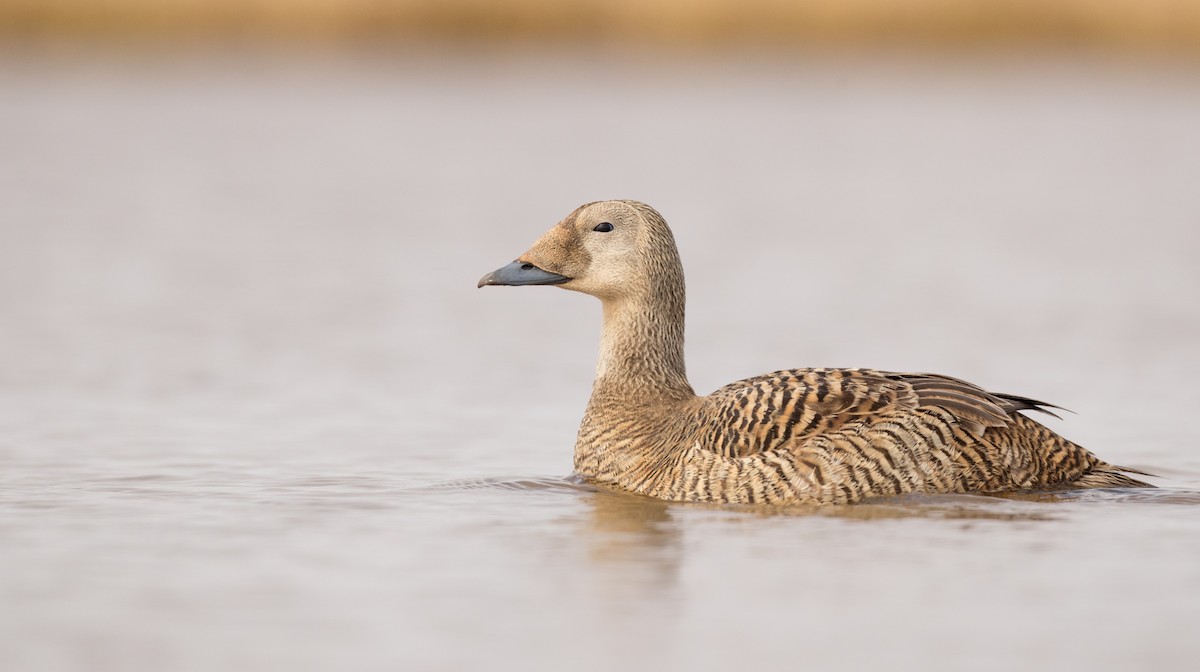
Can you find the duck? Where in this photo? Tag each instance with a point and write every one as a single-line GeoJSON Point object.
{"type": "Point", "coordinates": [816, 436]}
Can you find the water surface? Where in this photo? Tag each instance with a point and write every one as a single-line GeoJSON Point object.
{"type": "Point", "coordinates": [255, 415]}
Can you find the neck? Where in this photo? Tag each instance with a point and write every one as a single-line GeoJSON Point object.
{"type": "Point", "coordinates": [641, 348]}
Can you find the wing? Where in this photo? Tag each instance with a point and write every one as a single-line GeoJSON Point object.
{"type": "Point", "coordinates": [759, 414]}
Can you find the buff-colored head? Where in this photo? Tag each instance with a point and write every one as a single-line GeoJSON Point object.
{"type": "Point", "coordinates": [609, 249]}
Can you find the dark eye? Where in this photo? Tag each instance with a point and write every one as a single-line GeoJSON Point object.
{"type": "Point", "coordinates": [603, 227]}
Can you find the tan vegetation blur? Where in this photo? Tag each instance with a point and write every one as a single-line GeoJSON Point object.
{"type": "Point", "coordinates": [1122, 24]}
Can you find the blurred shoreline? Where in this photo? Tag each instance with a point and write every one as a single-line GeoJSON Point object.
{"type": "Point", "coordinates": [1121, 26]}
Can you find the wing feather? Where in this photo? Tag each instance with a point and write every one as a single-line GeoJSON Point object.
{"type": "Point", "coordinates": [826, 399]}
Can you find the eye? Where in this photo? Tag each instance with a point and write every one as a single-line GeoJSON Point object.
{"type": "Point", "coordinates": [603, 227]}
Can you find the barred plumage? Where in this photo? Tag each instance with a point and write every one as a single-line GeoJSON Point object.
{"type": "Point", "coordinates": [813, 436]}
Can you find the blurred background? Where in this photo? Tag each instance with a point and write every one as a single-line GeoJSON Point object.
{"type": "Point", "coordinates": [254, 413]}
{"type": "Point", "coordinates": [1149, 25]}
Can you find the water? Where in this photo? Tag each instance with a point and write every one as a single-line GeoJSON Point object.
{"type": "Point", "coordinates": [255, 414]}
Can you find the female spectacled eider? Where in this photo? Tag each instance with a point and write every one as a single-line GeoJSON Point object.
{"type": "Point", "coordinates": [802, 436]}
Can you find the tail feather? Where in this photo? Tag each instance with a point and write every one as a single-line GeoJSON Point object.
{"type": "Point", "coordinates": [1014, 403]}
{"type": "Point", "coordinates": [1111, 476]}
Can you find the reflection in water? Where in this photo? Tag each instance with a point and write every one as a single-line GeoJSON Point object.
{"type": "Point", "coordinates": [637, 542]}
{"type": "Point", "coordinates": [627, 513]}
{"type": "Point", "coordinates": [634, 549]}
{"type": "Point", "coordinates": [632, 529]}
{"type": "Point", "coordinates": [633, 555]}
{"type": "Point", "coordinates": [615, 511]}
{"type": "Point", "coordinates": [943, 507]}
{"type": "Point", "coordinates": [1110, 495]}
